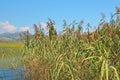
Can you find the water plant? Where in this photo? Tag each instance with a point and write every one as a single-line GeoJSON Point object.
{"type": "Point", "coordinates": [74, 54]}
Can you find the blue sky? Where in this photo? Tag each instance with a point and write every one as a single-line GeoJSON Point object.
{"type": "Point", "coordinates": [19, 15]}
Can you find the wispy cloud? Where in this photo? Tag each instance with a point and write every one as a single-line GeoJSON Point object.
{"type": "Point", "coordinates": [7, 26]}
{"type": "Point", "coordinates": [25, 28]}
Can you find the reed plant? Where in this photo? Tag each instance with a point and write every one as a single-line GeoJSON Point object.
{"type": "Point", "coordinates": [74, 54]}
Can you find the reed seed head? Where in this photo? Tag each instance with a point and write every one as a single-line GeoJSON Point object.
{"type": "Point", "coordinates": [117, 9]}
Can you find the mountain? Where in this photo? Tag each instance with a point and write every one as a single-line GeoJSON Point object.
{"type": "Point", "coordinates": [11, 37]}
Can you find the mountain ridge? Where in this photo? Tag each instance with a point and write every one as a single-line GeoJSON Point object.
{"type": "Point", "coordinates": [11, 37]}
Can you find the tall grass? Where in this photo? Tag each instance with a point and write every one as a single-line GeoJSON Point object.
{"type": "Point", "coordinates": [74, 54]}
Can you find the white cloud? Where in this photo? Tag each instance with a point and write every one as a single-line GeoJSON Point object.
{"type": "Point", "coordinates": [7, 26]}
{"type": "Point", "coordinates": [44, 26]}
{"type": "Point", "coordinates": [25, 28]}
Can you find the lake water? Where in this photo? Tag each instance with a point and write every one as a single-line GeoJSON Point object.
{"type": "Point", "coordinates": [11, 74]}
{"type": "Point", "coordinates": [7, 72]}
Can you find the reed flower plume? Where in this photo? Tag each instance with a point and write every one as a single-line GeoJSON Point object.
{"type": "Point", "coordinates": [52, 30]}
{"type": "Point", "coordinates": [81, 22]}
{"type": "Point", "coordinates": [117, 9]}
{"type": "Point", "coordinates": [104, 24]}
{"type": "Point", "coordinates": [103, 15]}
{"type": "Point", "coordinates": [118, 18]}
{"type": "Point", "coordinates": [37, 33]}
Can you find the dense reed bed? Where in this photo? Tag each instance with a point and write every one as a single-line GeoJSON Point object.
{"type": "Point", "coordinates": [74, 54]}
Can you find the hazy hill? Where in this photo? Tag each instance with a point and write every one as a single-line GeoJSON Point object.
{"type": "Point", "coordinates": [9, 37]}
